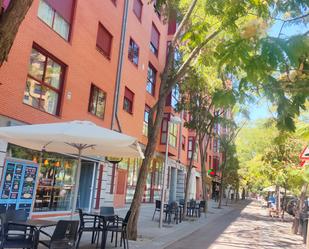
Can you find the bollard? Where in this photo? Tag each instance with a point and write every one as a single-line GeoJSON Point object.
{"type": "Point", "coordinates": [307, 239]}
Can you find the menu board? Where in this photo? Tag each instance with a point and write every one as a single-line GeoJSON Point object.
{"type": "Point", "coordinates": [18, 184]}
{"type": "Point", "coordinates": [8, 179]}
{"type": "Point", "coordinates": [16, 181]}
{"type": "Point", "coordinates": [29, 182]}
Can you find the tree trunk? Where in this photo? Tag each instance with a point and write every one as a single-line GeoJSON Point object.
{"type": "Point", "coordinates": [141, 181]}
{"type": "Point", "coordinates": [227, 198]}
{"type": "Point", "coordinates": [203, 149]}
{"type": "Point", "coordinates": [204, 184]}
{"type": "Point", "coordinates": [296, 222]}
{"type": "Point", "coordinates": [188, 182]}
{"type": "Point", "coordinates": [237, 192]}
{"type": "Point", "coordinates": [10, 21]}
{"type": "Point", "coordinates": [221, 189]}
{"type": "Point", "coordinates": [222, 179]}
{"type": "Point", "coordinates": [283, 201]}
{"type": "Point", "coordinates": [277, 197]}
{"type": "Point", "coordinates": [243, 194]}
{"type": "Point", "coordinates": [203, 154]}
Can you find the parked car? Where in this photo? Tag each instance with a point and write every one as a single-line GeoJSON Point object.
{"type": "Point", "coordinates": [291, 206]}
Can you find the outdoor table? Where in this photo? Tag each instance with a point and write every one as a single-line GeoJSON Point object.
{"type": "Point", "coordinates": [35, 225]}
{"type": "Point", "coordinates": [104, 218]}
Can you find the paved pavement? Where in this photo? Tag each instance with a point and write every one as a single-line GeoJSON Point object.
{"type": "Point", "coordinates": [150, 236]}
{"type": "Point", "coordinates": [243, 227]}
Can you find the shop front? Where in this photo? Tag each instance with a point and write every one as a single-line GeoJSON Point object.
{"type": "Point", "coordinates": [56, 180]}
{"type": "Point", "coordinates": [153, 183]}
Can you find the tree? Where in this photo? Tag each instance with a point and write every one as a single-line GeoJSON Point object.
{"type": "Point", "coordinates": [281, 158]}
{"type": "Point", "coordinates": [228, 150]}
{"type": "Point", "coordinates": [216, 33]}
{"type": "Point", "coordinates": [205, 100]}
{"type": "Point", "coordinates": [231, 175]}
{"type": "Point", "coordinates": [251, 143]}
{"type": "Point", "coordinates": [10, 20]}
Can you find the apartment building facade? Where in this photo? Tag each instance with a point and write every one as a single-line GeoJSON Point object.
{"type": "Point", "coordinates": [99, 61]}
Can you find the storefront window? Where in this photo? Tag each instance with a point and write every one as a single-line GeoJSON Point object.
{"type": "Point", "coordinates": [56, 179]}
{"type": "Point", "coordinates": [56, 185]}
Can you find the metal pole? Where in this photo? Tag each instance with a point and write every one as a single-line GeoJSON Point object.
{"type": "Point", "coordinates": [164, 176]}
{"type": "Point", "coordinates": [79, 164]}
{"type": "Point", "coordinates": [307, 235]}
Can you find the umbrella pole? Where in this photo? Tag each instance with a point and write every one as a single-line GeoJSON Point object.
{"type": "Point", "coordinates": [79, 164]}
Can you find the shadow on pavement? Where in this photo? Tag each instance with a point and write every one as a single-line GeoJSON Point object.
{"type": "Point", "coordinates": [212, 230]}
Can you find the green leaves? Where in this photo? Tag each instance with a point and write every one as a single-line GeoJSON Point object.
{"type": "Point", "coordinates": [224, 98]}
{"type": "Point", "coordinates": [269, 155]}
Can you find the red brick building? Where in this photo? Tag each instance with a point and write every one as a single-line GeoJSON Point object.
{"type": "Point", "coordinates": [99, 61]}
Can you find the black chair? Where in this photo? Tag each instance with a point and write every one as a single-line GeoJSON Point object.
{"type": "Point", "coordinates": [112, 220]}
{"type": "Point", "coordinates": [12, 238]}
{"type": "Point", "coordinates": [87, 224]}
{"type": "Point", "coordinates": [182, 202]}
{"type": "Point", "coordinates": [2, 209]}
{"type": "Point", "coordinates": [201, 206]}
{"type": "Point", "coordinates": [172, 209]}
{"type": "Point", "coordinates": [64, 236]}
{"type": "Point", "coordinates": [107, 211]}
{"type": "Point", "coordinates": [157, 208]}
{"type": "Point", "coordinates": [16, 215]}
{"type": "Point", "coordinates": [191, 209]}
{"type": "Point", "coordinates": [120, 226]}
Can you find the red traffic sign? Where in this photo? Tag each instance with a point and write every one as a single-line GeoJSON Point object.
{"type": "Point", "coordinates": [305, 154]}
{"type": "Point", "coordinates": [302, 163]}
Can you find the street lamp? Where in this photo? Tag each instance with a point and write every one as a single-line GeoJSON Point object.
{"type": "Point", "coordinates": [173, 120]}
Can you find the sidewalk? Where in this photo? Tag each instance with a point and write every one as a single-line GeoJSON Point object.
{"type": "Point", "coordinates": [152, 237]}
{"type": "Point", "coordinates": [244, 227]}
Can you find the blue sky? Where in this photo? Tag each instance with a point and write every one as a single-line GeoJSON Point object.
{"type": "Point", "coordinates": [260, 110]}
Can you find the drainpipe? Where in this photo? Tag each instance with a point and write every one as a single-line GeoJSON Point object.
{"type": "Point", "coordinates": [180, 137]}
{"type": "Point", "coordinates": [119, 66]}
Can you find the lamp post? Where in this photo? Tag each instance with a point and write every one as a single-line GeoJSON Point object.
{"type": "Point", "coordinates": [173, 120]}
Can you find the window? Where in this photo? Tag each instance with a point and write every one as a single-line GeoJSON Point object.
{"type": "Point", "coordinates": [173, 134]}
{"type": "Point", "coordinates": [164, 128]}
{"type": "Point", "coordinates": [137, 8]}
{"type": "Point", "coordinates": [156, 9]}
{"type": "Point", "coordinates": [215, 163]}
{"type": "Point", "coordinates": [151, 79]}
{"type": "Point", "coordinates": [172, 23]}
{"type": "Point", "coordinates": [133, 52]}
{"type": "Point", "coordinates": [173, 97]}
{"type": "Point", "coordinates": [146, 117]}
{"type": "Point", "coordinates": [97, 101]}
{"type": "Point", "coordinates": [173, 131]}
{"type": "Point", "coordinates": [154, 40]}
{"type": "Point", "coordinates": [104, 41]}
{"type": "Point", "coordinates": [190, 146]}
{"type": "Point", "coordinates": [128, 100]}
{"type": "Point", "coordinates": [183, 143]}
{"type": "Point", "coordinates": [215, 145]}
{"type": "Point", "coordinates": [210, 147]}
{"type": "Point", "coordinates": [216, 128]}
{"type": "Point", "coordinates": [44, 82]}
{"type": "Point", "coordinates": [57, 15]}
{"type": "Point", "coordinates": [191, 142]}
